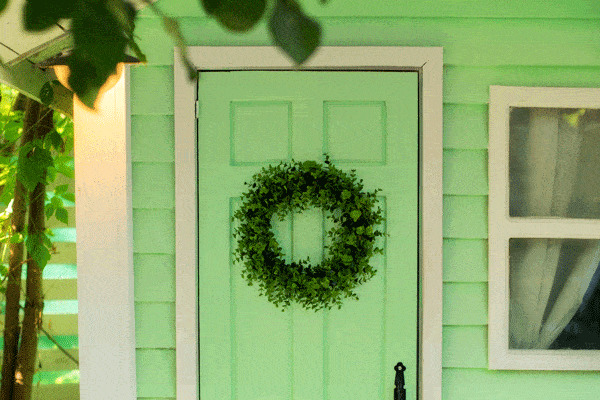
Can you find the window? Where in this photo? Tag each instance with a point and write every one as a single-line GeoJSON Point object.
{"type": "Point", "coordinates": [544, 228]}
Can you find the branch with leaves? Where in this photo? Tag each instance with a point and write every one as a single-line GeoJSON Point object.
{"type": "Point", "coordinates": [33, 144]}
{"type": "Point", "coordinates": [103, 31]}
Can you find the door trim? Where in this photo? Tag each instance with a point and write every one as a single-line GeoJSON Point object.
{"type": "Point", "coordinates": [428, 61]}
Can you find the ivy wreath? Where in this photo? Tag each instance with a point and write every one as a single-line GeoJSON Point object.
{"type": "Point", "coordinates": [295, 186]}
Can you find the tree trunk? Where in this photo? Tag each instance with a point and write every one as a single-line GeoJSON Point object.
{"type": "Point", "coordinates": [13, 287]}
{"type": "Point", "coordinates": [34, 303]}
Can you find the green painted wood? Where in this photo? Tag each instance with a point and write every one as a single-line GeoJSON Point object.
{"type": "Point", "coordinates": [154, 231]}
{"type": "Point", "coordinates": [466, 41]}
{"type": "Point", "coordinates": [502, 43]}
{"type": "Point", "coordinates": [151, 90]}
{"type": "Point", "coordinates": [470, 85]}
{"type": "Point", "coordinates": [456, 8]}
{"type": "Point", "coordinates": [509, 385]}
{"type": "Point", "coordinates": [156, 398]}
{"type": "Point", "coordinates": [154, 277]}
{"type": "Point", "coordinates": [465, 126]}
{"type": "Point", "coordinates": [155, 371]}
{"type": "Point", "coordinates": [465, 172]}
{"type": "Point", "coordinates": [153, 325]}
{"type": "Point", "coordinates": [150, 192]}
{"type": "Point", "coordinates": [465, 303]}
{"type": "Point", "coordinates": [465, 217]}
{"type": "Point", "coordinates": [464, 346]}
{"type": "Point", "coordinates": [179, 8]}
{"type": "Point", "coordinates": [249, 349]}
{"type": "Point", "coordinates": [481, 41]}
{"type": "Point", "coordinates": [152, 138]}
{"type": "Point", "coordinates": [465, 260]}
{"type": "Point", "coordinates": [583, 9]}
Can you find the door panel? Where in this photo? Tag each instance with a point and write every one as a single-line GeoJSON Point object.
{"type": "Point", "coordinates": [367, 121]}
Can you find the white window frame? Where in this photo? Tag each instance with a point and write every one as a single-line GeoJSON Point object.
{"type": "Point", "coordinates": [428, 62]}
{"type": "Point", "coordinates": [502, 228]}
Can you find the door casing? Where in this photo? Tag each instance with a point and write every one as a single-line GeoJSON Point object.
{"type": "Point", "coordinates": [429, 63]}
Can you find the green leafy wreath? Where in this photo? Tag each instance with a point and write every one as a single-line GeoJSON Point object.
{"type": "Point", "coordinates": [294, 187]}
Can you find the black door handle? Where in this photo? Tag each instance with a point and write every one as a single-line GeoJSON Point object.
{"type": "Point", "coordinates": [399, 391]}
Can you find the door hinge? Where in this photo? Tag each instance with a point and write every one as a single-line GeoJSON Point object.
{"type": "Point", "coordinates": [197, 109]}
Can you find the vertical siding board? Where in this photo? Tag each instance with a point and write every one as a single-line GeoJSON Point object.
{"type": "Point", "coordinates": [153, 325]}
{"type": "Point", "coordinates": [150, 192]}
{"type": "Point", "coordinates": [464, 346]}
{"type": "Point", "coordinates": [465, 303]}
{"type": "Point", "coordinates": [155, 369]}
{"type": "Point", "coordinates": [465, 172]}
{"type": "Point", "coordinates": [465, 260]}
{"type": "Point", "coordinates": [154, 231]}
{"type": "Point", "coordinates": [485, 43]}
{"type": "Point", "coordinates": [154, 277]}
{"type": "Point", "coordinates": [465, 126]}
{"type": "Point", "coordinates": [151, 90]}
{"type": "Point", "coordinates": [152, 138]}
{"type": "Point", "coordinates": [465, 217]}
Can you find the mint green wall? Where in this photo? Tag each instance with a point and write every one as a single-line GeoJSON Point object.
{"type": "Point", "coordinates": [512, 42]}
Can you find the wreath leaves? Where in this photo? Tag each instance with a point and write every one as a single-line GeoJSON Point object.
{"type": "Point", "coordinates": [287, 187]}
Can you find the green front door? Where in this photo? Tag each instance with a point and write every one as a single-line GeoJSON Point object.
{"type": "Point", "coordinates": [367, 121]}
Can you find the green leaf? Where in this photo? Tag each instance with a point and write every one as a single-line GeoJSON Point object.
{"type": "Point", "coordinates": [296, 34]}
{"type": "Point", "coordinates": [69, 196]}
{"type": "Point", "coordinates": [236, 15]}
{"type": "Point", "coordinates": [211, 5]}
{"type": "Point", "coordinates": [3, 4]}
{"type": "Point", "coordinates": [12, 130]}
{"type": "Point", "coordinates": [53, 139]}
{"type": "Point", "coordinates": [17, 238]}
{"type": "Point", "coordinates": [56, 202]}
{"type": "Point", "coordinates": [355, 215]}
{"type": "Point", "coordinates": [47, 94]}
{"type": "Point", "coordinates": [42, 14]}
{"type": "Point", "coordinates": [346, 195]}
{"type": "Point", "coordinates": [49, 210]}
{"type": "Point", "coordinates": [66, 170]}
{"type": "Point", "coordinates": [61, 189]}
{"type": "Point", "coordinates": [62, 215]}
{"type": "Point", "coordinates": [32, 165]}
{"type": "Point", "coordinates": [37, 250]}
{"type": "Point", "coordinates": [308, 165]}
{"type": "Point", "coordinates": [100, 42]}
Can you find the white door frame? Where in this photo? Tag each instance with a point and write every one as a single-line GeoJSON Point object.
{"type": "Point", "coordinates": [429, 63]}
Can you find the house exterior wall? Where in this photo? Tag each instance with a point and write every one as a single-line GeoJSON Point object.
{"type": "Point", "coordinates": [487, 43]}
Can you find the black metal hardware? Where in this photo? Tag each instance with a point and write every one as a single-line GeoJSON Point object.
{"type": "Point", "coordinates": [399, 391]}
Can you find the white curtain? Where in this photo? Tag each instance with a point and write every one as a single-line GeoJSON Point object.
{"type": "Point", "coordinates": [538, 311]}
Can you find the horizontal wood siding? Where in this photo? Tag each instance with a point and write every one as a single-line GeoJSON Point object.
{"type": "Point", "coordinates": [513, 42]}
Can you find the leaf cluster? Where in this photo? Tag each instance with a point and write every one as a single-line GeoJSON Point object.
{"type": "Point", "coordinates": [38, 161]}
{"type": "Point", "coordinates": [103, 30]}
{"type": "Point", "coordinates": [293, 187]}
{"type": "Point", "coordinates": [293, 31]}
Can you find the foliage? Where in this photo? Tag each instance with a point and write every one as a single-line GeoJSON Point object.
{"type": "Point", "coordinates": [294, 186]}
{"type": "Point", "coordinates": [38, 161]}
{"type": "Point", "coordinates": [103, 30]}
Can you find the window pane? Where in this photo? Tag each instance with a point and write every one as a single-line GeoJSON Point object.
{"type": "Point", "coordinates": [554, 294]}
{"type": "Point", "coordinates": [554, 162]}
